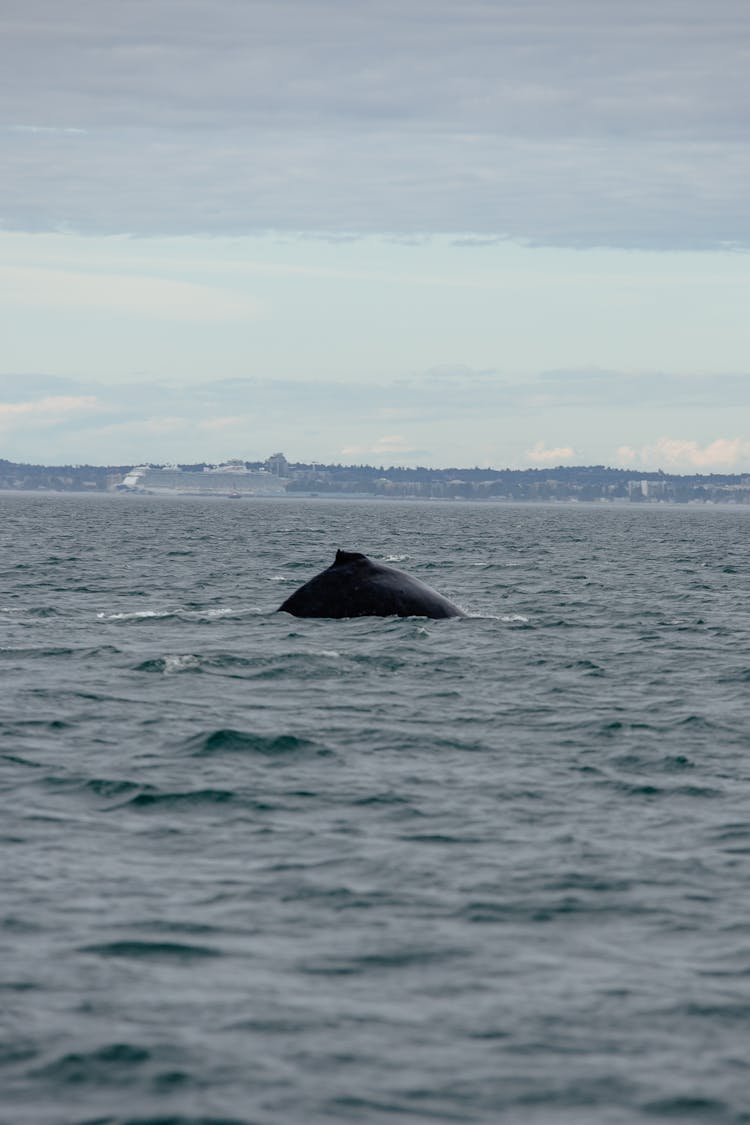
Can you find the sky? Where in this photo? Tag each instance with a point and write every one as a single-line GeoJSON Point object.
{"type": "Point", "coordinates": [446, 233]}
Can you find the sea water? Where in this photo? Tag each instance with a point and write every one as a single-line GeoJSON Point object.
{"type": "Point", "coordinates": [260, 870]}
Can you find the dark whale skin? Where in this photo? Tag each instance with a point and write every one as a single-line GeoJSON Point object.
{"type": "Point", "coordinates": [355, 586]}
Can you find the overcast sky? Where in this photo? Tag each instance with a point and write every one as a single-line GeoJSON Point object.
{"type": "Point", "coordinates": [451, 232]}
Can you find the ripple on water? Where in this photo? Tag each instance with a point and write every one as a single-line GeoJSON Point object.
{"type": "Point", "coordinates": [230, 741]}
{"type": "Point", "coordinates": [138, 616]}
{"type": "Point", "coordinates": [171, 664]}
{"type": "Point", "coordinates": [111, 1064]}
{"type": "Point", "coordinates": [150, 950]}
{"type": "Point", "coordinates": [310, 665]}
{"type": "Point", "coordinates": [174, 1119]}
{"type": "Point", "coordinates": [150, 797]}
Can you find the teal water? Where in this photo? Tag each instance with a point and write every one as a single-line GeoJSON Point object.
{"type": "Point", "coordinates": [261, 870]}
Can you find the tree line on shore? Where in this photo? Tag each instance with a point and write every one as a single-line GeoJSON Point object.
{"type": "Point", "coordinates": [586, 483]}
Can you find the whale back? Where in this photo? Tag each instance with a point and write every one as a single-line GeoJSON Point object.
{"type": "Point", "coordinates": [355, 586]}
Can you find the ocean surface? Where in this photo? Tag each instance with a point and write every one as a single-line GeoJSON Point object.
{"type": "Point", "coordinates": [257, 870]}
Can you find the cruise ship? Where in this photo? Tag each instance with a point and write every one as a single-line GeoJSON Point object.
{"type": "Point", "coordinates": [231, 478]}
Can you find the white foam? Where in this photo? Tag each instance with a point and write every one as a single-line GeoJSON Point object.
{"type": "Point", "coordinates": [180, 663]}
{"type": "Point", "coordinates": [139, 613]}
{"type": "Point", "coordinates": [507, 618]}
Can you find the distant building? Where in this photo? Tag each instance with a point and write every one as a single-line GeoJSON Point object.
{"type": "Point", "coordinates": [278, 465]}
{"type": "Point", "coordinates": [650, 490]}
{"type": "Point", "coordinates": [638, 490]}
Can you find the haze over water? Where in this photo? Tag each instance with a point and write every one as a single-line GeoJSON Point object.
{"type": "Point", "coordinates": [260, 870]}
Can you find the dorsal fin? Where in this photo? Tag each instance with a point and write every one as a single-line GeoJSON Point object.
{"type": "Point", "coordinates": [343, 557]}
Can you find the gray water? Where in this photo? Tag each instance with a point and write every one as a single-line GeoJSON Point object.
{"type": "Point", "coordinates": [261, 870]}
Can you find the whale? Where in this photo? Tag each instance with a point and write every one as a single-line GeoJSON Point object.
{"type": "Point", "coordinates": [355, 586]}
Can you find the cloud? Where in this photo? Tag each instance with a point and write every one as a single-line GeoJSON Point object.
{"type": "Point", "coordinates": [156, 297]}
{"type": "Point", "coordinates": [151, 426]}
{"type": "Point", "coordinates": [722, 455]}
{"type": "Point", "coordinates": [568, 124]}
{"type": "Point", "coordinates": [581, 388]}
{"type": "Point", "coordinates": [394, 445]}
{"type": "Point", "coordinates": [48, 411]}
{"type": "Point", "coordinates": [228, 423]}
{"type": "Point", "coordinates": [44, 129]}
{"type": "Point", "coordinates": [550, 456]}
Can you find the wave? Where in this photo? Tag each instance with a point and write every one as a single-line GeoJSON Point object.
{"type": "Point", "coordinates": [304, 664]}
{"type": "Point", "coordinates": [114, 795]}
{"type": "Point", "coordinates": [387, 960]}
{"type": "Point", "coordinates": [112, 1062]}
{"type": "Point", "coordinates": [171, 664]}
{"type": "Point", "coordinates": [139, 795]}
{"type": "Point", "coordinates": [36, 653]}
{"type": "Point", "coordinates": [505, 618]}
{"type": "Point", "coordinates": [684, 1107]}
{"type": "Point", "coordinates": [187, 613]}
{"type": "Point", "coordinates": [150, 797]}
{"type": "Point", "coordinates": [163, 950]}
{"type": "Point", "coordinates": [229, 741]}
{"type": "Point", "coordinates": [309, 664]}
{"type": "Point", "coordinates": [173, 1119]}
{"type": "Point", "coordinates": [647, 789]}
{"type": "Point", "coordinates": [136, 615]}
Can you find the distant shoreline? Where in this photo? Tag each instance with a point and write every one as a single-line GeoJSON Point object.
{"type": "Point", "coordinates": [278, 477]}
